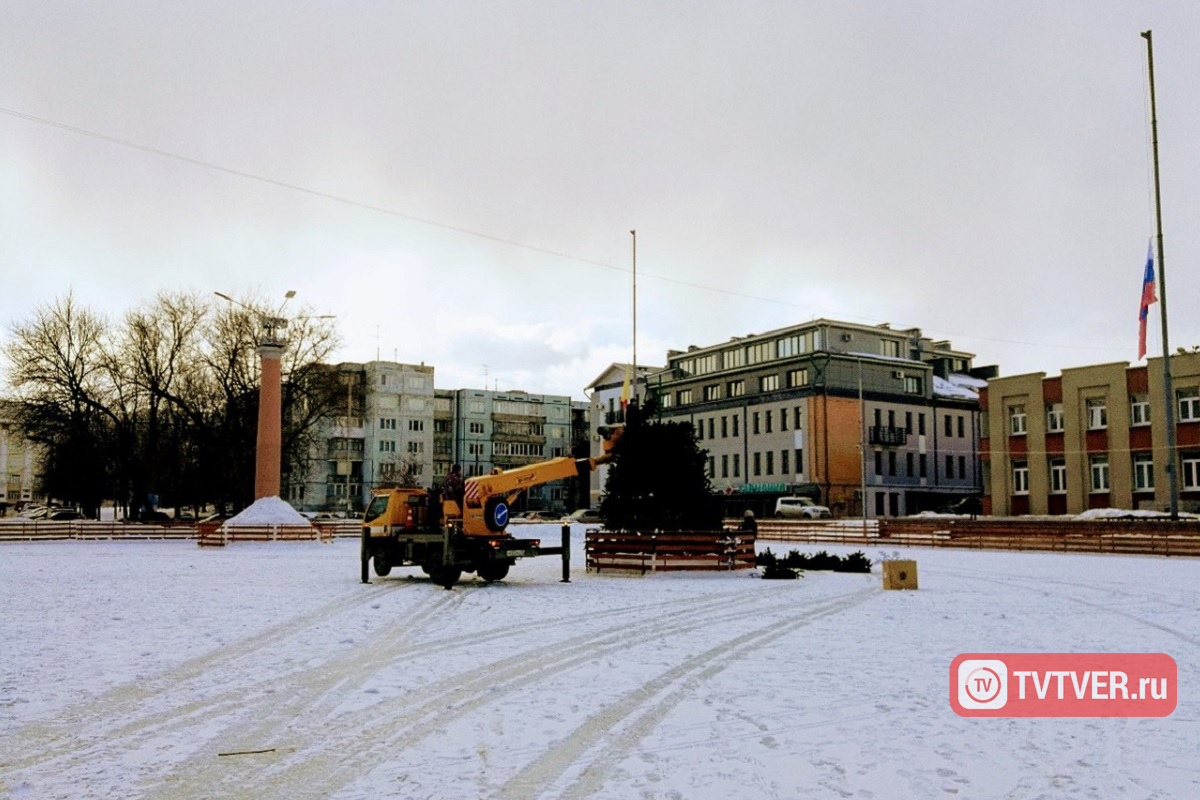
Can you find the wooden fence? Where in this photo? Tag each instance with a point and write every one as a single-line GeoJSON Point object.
{"type": "Point", "coordinates": [206, 534]}
{"type": "Point", "coordinates": [1129, 536]}
{"type": "Point", "coordinates": [706, 551]}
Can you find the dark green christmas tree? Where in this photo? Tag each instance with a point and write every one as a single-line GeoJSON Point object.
{"type": "Point", "coordinates": [658, 480]}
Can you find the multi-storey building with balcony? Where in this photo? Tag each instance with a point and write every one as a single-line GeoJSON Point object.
{"type": "Point", "coordinates": [20, 461]}
{"type": "Point", "coordinates": [1092, 437]}
{"type": "Point", "coordinates": [482, 430]}
{"type": "Point", "coordinates": [383, 435]}
{"type": "Point", "coordinates": [869, 419]}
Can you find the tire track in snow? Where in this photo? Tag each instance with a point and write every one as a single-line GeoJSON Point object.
{"type": "Point", "coordinates": [119, 713]}
{"type": "Point", "coordinates": [331, 752]}
{"type": "Point", "coordinates": [1022, 582]}
{"type": "Point", "coordinates": [616, 730]}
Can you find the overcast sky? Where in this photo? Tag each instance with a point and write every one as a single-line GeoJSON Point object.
{"type": "Point", "coordinates": [456, 181]}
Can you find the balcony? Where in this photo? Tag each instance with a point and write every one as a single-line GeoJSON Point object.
{"type": "Point", "coordinates": [887, 436]}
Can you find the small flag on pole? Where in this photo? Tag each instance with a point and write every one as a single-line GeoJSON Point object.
{"type": "Point", "coordinates": [625, 388]}
{"type": "Point", "coordinates": [1147, 298]}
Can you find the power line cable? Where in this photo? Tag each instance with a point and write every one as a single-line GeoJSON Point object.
{"type": "Point", "coordinates": [196, 162]}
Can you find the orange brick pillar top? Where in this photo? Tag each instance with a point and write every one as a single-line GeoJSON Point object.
{"type": "Point", "coordinates": [269, 450]}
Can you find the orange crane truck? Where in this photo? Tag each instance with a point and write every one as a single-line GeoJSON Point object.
{"type": "Point", "coordinates": [447, 536]}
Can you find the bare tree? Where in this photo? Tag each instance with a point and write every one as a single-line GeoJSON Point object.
{"type": "Point", "coordinates": [59, 377]}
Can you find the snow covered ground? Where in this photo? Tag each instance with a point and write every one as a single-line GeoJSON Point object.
{"type": "Point", "coordinates": [155, 669]}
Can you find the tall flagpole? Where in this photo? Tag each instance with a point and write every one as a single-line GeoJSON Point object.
{"type": "Point", "coordinates": [1168, 388]}
{"type": "Point", "coordinates": [635, 370]}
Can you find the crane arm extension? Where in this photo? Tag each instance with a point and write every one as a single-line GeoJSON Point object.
{"type": "Point", "coordinates": [480, 488]}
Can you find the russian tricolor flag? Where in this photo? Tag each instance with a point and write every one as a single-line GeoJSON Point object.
{"type": "Point", "coordinates": [1147, 298]}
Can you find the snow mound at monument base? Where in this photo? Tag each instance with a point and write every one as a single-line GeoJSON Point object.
{"type": "Point", "coordinates": [267, 511]}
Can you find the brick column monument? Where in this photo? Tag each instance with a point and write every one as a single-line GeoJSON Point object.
{"type": "Point", "coordinates": [269, 452]}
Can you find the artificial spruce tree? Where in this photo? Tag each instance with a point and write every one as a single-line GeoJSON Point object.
{"type": "Point", "coordinates": [658, 480]}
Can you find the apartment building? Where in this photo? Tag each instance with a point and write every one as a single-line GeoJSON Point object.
{"type": "Point", "coordinates": [482, 430]}
{"type": "Point", "coordinates": [870, 420]}
{"type": "Point", "coordinates": [20, 461]}
{"type": "Point", "coordinates": [383, 435]}
{"type": "Point", "coordinates": [1092, 437]}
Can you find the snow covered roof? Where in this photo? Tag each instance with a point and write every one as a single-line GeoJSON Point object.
{"type": "Point", "coordinates": [959, 387]}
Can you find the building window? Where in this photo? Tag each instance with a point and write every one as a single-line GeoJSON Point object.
{"type": "Point", "coordinates": [949, 426]}
{"type": "Point", "coordinates": [1058, 476]}
{"type": "Point", "coordinates": [891, 462]}
{"type": "Point", "coordinates": [711, 429]}
{"type": "Point", "coordinates": [668, 400]}
{"type": "Point", "coordinates": [735, 358]}
{"type": "Point", "coordinates": [1189, 404]}
{"type": "Point", "coordinates": [768, 383]}
{"type": "Point", "coordinates": [878, 462]}
{"type": "Point", "coordinates": [736, 388]}
{"type": "Point", "coordinates": [737, 465]}
{"type": "Point", "coordinates": [1099, 468]}
{"type": "Point", "coordinates": [962, 466]}
{"type": "Point", "coordinates": [416, 425]}
{"type": "Point", "coordinates": [712, 466]}
{"type": "Point", "coordinates": [684, 396]}
{"type": "Point", "coordinates": [1020, 477]}
{"type": "Point", "coordinates": [921, 424]}
{"type": "Point", "coordinates": [799, 460]}
{"type": "Point", "coordinates": [889, 348]}
{"type": "Point", "coordinates": [783, 462]}
{"type": "Point", "coordinates": [1054, 418]}
{"type": "Point", "coordinates": [712, 392]}
{"type": "Point", "coordinates": [1139, 410]}
{"type": "Point", "coordinates": [914, 384]}
{"type": "Point", "coordinates": [761, 352]}
{"type": "Point", "coordinates": [386, 424]}
{"type": "Point", "coordinates": [908, 422]}
{"type": "Point", "coordinates": [1143, 472]}
{"type": "Point", "coordinates": [1191, 470]}
{"type": "Point", "coordinates": [475, 427]}
{"type": "Point", "coordinates": [961, 429]}
{"type": "Point", "coordinates": [416, 447]}
{"type": "Point", "coordinates": [725, 466]}
{"type": "Point", "coordinates": [908, 465]}
{"type": "Point", "coordinates": [737, 421]}
{"type": "Point", "coordinates": [757, 464]}
{"type": "Point", "coordinates": [770, 462]}
{"type": "Point", "coordinates": [796, 418]}
{"type": "Point", "coordinates": [754, 427]}
{"type": "Point", "coordinates": [724, 427]}
{"type": "Point", "coordinates": [783, 419]}
{"type": "Point", "coordinates": [387, 446]}
{"type": "Point", "coordinates": [1016, 420]}
{"type": "Point", "coordinates": [949, 467]}
{"type": "Point", "coordinates": [1097, 414]}
{"type": "Point", "coordinates": [923, 464]}
{"type": "Point", "coordinates": [769, 415]}
{"type": "Point", "coordinates": [797, 378]}
{"type": "Point", "coordinates": [700, 429]}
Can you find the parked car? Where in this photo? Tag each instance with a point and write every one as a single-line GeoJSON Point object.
{"type": "Point", "coordinates": [584, 515]}
{"type": "Point", "coordinates": [534, 516]}
{"type": "Point", "coordinates": [800, 508]}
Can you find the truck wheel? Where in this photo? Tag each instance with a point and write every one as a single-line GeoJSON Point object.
{"type": "Point", "coordinates": [382, 567]}
{"type": "Point", "coordinates": [493, 571]}
{"type": "Point", "coordinates": [445, 577]}
{"type": "Point", "coordinates": [495, 515]}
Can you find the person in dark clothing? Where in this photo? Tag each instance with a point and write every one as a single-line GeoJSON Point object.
{"type": "Point", "coordinates": [453, 488]}
{"type": "Point", "coordinates": [749, 523]}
